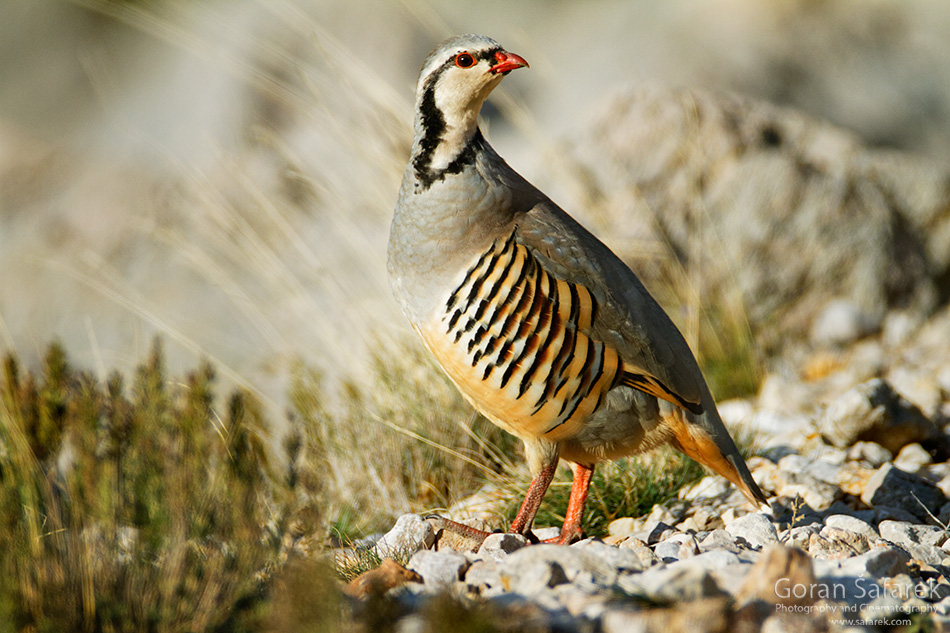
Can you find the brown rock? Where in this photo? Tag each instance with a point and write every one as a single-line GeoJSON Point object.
{"type": "Point", "coordinates": [708, 615]}
{"type": "Point", "coordinates": [781, 576]}
{"type": "Point", "coordinates": [834, 543]}
{"type": "Point", "coordinates": [380, 580]}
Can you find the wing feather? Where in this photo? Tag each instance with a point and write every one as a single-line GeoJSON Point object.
{"type": "Point", "coordinates": [655, 357]}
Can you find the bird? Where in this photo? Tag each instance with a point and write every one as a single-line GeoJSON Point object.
{"type": "Point", "coordinates": [540, 326]}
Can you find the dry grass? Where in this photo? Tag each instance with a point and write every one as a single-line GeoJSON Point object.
{"type": "Point", "coordinates": [131, 508]}
{"type": "Point", "coordinates": [406, 444]}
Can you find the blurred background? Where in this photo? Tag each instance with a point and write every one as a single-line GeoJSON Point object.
{"type": "Point", "coordinates": [223, 173]}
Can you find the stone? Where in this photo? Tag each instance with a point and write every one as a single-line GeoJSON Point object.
{"type": "Point", "coordinates": [388, 575]}
{"type": "Point", "coordinates": [719, 540]}
{"type": "Point", "coordinates": [624, 560]}
{"type": "Point", "coordinates": [841, 508]}
{"type": "Point", "coordinates": [901, 533]}
{"type": "Point", "coordinates": [840, 322]}
{"type": "Point", "coordinates": [836, 543]}
{"type": "Point", "coordinates": [706, 518]}
{"type": "Point", "coordinates": [918, 385]}
{"type": "Point", "coordinates": [660, 532]}
{"type": "Point", "coordinates": [688, 547]}
{"type": "Point", "coordinates": [792, 242]}
{"type": "Point", "coordinates": [756, 528]}
{"type": "Point", "coordinates": [715, 559]}
{"type": "Point", "coordinates": [624, 526]}
{"type": "Point", "coordinates": [410, 534]}
{"type": "Point", "coordinates": [920, 541]}
{"type": "Point", "coordinates": [800, 536]}
{"type": "Point", "coordinates": [854, 477]}
{"type": "Point", "coordinates": [452, 540]}
{"type": "Point", "coordinates": [893, 487]}
{"type": "Point", "coordinates": [856, 541]}
{"type": "Point", "coordinates": [794, 623]}
{"type": "Point", "coordinates": [709, 487]}
{"type": "Point", "coordinates": [659, 514]}
{"type": "Point", "coordinates": [710, 615]}
{"type": "Point", "coordinates": [817, 494]}
{"type": "Point", "coordinates": [878, 563]}
{"type": "Point", "coordinates": [683, 581]}
{"type": "Point", "coordinates": [782, 576]}
{"type": "Point", "coordinates": [912, 458]}
{"type": "Point", "coordinates": [852, 524]}
{"type": "Point", "coordinates": [533, 613]}
{"type": "Point", "coordinates": [580, 603]}
{"type": "Point", "coordinates": [873, 411]}
{"type": "Point", "coordinates": [667, 551]}
{"type": "Point", "coordinates": [439, 569]}
{"type": "Point", "coordinates": [819, 469]}
{"type": "Point", "coordinates": [498, 546]}
{"type": "Point", "coordinates": [483, 579]}
{"type": "Point", "coordinates": [870, 452]}
{"type": "Point", "coordinates": [546, 533]}
{"type": "Point", "coordinates": [530, 569]}
{"type": "Point", "coordinates": [644, 554]}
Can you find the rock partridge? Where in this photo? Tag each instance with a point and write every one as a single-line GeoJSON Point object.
{"type": "Point", "coordinates": [539, 325]}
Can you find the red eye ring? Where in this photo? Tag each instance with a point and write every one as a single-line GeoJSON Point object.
{"type": "Point", "coordinates": [464, 60]}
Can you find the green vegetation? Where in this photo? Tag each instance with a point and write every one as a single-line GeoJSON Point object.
{"type": "Point", "coordinates": [627, 487]}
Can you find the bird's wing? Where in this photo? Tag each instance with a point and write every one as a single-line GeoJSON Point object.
{"type": "Point", "coordinates": [655, 357]}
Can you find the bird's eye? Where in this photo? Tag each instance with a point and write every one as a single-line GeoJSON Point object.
{"type": "Point", "coordinates": [464, 60]}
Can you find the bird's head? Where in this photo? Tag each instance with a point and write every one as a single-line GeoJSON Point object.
{"type": "Point", "coordinates": [459, 74]}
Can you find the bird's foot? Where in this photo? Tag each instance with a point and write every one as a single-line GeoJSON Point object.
{"type": "Point", "coordinates": [566, 537]}
{"type": "Point", "coordinates": [441, 524]}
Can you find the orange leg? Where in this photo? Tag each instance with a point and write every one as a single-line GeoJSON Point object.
{"type": "Point", "coordinates": [522, 522]}
{"type": "Point", "coordinates": [571, 530]}
{"type": "Point", "coordinates": [532, 501]}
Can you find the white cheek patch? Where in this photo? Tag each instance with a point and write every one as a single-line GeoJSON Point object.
{"type": "Point", "coordinates": [459, 95]}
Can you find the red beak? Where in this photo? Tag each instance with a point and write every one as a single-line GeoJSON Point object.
{"type": "Point", "coordinates": [508, 62]}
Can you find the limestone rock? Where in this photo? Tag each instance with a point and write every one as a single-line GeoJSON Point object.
{"type": "Point", "coordinates": [531, 569]}
{"type": "Point", "coordinates": [624, 560]}
{"type": "Point", "coordinates": [786, 211]}
{"type": "Point", "coordinates": [852, 524]}
{"type": "Point", "coordinates": [756, 528]}
{"type": "Point", "coordinates": [920, 541]}
{"type": "Point", "coordinates": [871, 452]}
{"type": "Point", "coordinates": [893, 487]}
{"type": "Point", "coordinates": [874, 412]}
{"type": "Point", "coordinates": [439, 569]}
{"type": "Point", "coordinates": [683, 581]}
{"type": "Point", "coordinates": [912, 458]}
{"type": "Point", "coordinates": [498, 546]}
{"type": "Point", "coordinates": [411, 533]}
